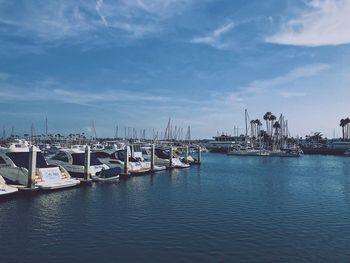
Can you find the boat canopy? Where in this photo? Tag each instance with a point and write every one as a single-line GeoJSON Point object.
{"type": "Point", "coordinates": [21, 159]}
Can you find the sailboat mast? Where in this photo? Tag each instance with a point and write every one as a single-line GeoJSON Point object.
{"type": "Point", "coordinates": [246, 122]}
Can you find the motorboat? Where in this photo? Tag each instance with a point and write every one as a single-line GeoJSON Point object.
{"type": "Point", "coordinates": [248, 151]}
{"type": "Point", "coordinates": [6, 189]}
{"type": "Point", "coordinates": [116, 160]}
{"type": "Point", "coordinates": [162, 158]}
{"type": "Point", "coordinates": [14, 168]}
{"type": "Point", "coordinates": [73, 160]}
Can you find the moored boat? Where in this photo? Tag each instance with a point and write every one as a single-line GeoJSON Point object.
{"type": "Point", "coordinates": [73, 160]}
{"type": "Point", "coordinates": [14, 168]}
{"type": "Point", "coordinates": [6, 189]}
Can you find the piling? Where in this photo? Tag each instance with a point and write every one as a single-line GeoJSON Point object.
{"type": "Point", "coordinates": [32, 167]}
{"type": "Point", "coordinates": [132, 150]}
{"type": "Point", "coordinates": [186, 154]}
{"type": "Point", "coordinates": [171, 157]}
{"type": "Point", "coordinates": [152, 157]}
{"type": "Point", "coordinates": [87, 163]}
{"type": "Point", "coordinates": [126, 159]}
{"type": "Point", "coordinates": [199, 155]}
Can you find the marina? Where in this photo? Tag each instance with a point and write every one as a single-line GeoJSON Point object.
{"type": "Point", "coordinates": [174, 131]}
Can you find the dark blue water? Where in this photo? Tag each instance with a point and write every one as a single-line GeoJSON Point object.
{"type": "Point", "coordinates": [230, 209]}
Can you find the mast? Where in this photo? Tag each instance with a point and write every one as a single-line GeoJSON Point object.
{"type": "Point", "coordinates": [46, 129]}
{"type": "Point", "coordinates": [246, 122]}
{"type": "Point", "coordinates": [94, 130]}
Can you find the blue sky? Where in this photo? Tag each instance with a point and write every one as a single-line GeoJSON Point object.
{"type": "Point", "coordinates": [137, 63]}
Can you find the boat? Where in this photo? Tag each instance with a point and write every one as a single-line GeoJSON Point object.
{"type": "Point", "coordinates": [6, 189]}
{"type": "Point", "coordinates": [222, 143]}
{"type": "Point", "coordinates": [137, 165]}
{"type": "Point", "coordinates": [14, 168]}
{"type": "Point", "coordinates": [73, 160]}
{"type": "Point", "coordinates": [328, 148]}
{"type": "Point", "coordinates": [286, 153]}
{"type": "Point", "coordinates": [162, 158]}
{"type": "Point", "coordinates": [248, 152]}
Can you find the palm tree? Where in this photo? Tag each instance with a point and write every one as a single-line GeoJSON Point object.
{"type": "Point", "coordinates": [272, 120]}
{"type": "Point", "coordinates": [258, 125]}
{"type": "Point", "coordinates": [342, 125]}
{"type": "Point", "coordinates": [267, 118]}
{"type": "Point", "coordinates": [277, 126]}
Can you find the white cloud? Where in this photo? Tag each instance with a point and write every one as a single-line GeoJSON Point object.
{"type": "Point", "coordinates": [325, 22]}
{"type": "Point", "coordinates": [215, 38]}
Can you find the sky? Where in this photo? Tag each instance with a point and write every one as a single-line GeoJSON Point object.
{"type": "Point", "coordinates": [137, 63]}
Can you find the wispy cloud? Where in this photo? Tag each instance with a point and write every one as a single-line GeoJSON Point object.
{"type": "Point", "coordinates": [216, 38]}
{"type": "Point", "coordinates": [325, 22]}
{"type": "Point", "coordinates": [51, 90]}
{"type": "Point", "coordinates": [291, 94]}
{"type": "Point", "coordinates": [54, 21]}
{"type": "Point", "coordinates": [298, 73]}
{"type": "Point", "coordinates": [98, 7]}
{"type": "Point", "coordinates": [283, 85]}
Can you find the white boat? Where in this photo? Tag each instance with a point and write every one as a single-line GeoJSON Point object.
{"type": "Point", "coordinates": [14, 168]}
{"type": "Point", "coordinates": [286, 153]}
{"type": "Point", "coordinates": [137, 164]}
{"type": "Point", "coordinates": [161, 158]}
{"type": "Point", "coordinates": [263, 152]}
{"type": "Point", "coordinates": [73, 160]}
{"type": "Point", "coordinates": [116, 160]}
{"type": "Point", "coordinates": [5, 189]}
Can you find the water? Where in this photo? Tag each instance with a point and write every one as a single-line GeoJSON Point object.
{"type": "Point", "coordinates": [230, 209]}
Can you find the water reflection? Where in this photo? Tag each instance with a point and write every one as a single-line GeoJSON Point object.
{"type": "Point", "coordinates": [270, 209]}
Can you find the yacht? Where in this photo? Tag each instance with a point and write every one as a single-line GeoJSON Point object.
{"type": "Point", "coordinates": [161, 158]}
{"type": "Point", "coordinates": [5, 189]}
{"type": "Point", "coordinates": [136, 164]}
{"type": "Point", "coordinates": [73, 160]}
{"type": "Point", "coordinates": [223, 143]}
{"type": "Point", "coordinates": [14, 168]}
{"type": "Point", "coordinates": [248, 152]}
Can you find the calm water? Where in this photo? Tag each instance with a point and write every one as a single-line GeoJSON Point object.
{"type": "Point", "coordinates": [230, 209]}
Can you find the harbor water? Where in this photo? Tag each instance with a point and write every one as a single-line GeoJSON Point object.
{"type": "Point", "coordinates": [229, 209]}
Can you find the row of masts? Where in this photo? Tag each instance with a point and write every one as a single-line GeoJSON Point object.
{"type": "Point", "coordinates": [171, 133]}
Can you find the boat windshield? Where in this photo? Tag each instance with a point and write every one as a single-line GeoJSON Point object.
{"type": "Point", "coordinates": [21, 159]}
{"type": "Point", "coordinates": [79, 159]}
